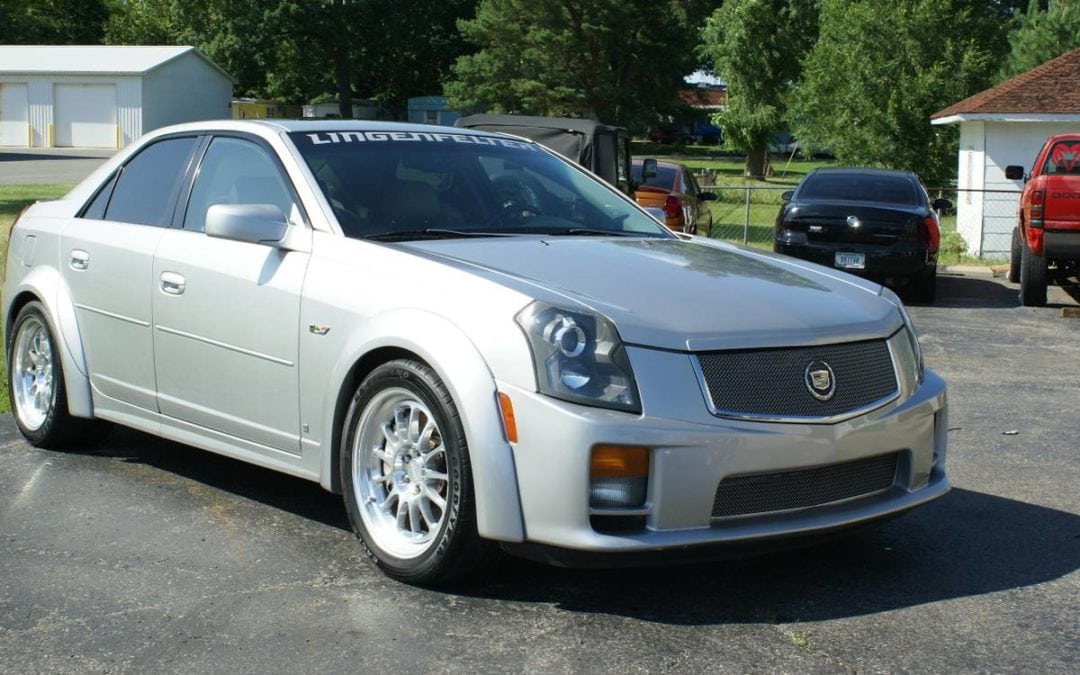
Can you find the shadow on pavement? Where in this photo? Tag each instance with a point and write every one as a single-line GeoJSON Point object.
{"type": "Point", "coordinates": [955, 291]}
{"type": "Point", "coordinates": [967, 543]}
{"type": "Point", "coordinates": [42, 156]}
{"type": "Point", "coordinates": [295, 495]}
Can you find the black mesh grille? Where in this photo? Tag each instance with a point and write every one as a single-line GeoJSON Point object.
{"type": "Point", "coordinates": [762, 493]}
{"type": "Point", "coordinates": [772, 382]}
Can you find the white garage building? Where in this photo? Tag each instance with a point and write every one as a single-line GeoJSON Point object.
{"type": "Point", "coordinates": [1004, 125]}
{"type": "Point", "coordinates": [104, 97]}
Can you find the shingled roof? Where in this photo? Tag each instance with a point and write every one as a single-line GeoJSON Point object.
{"type": "Point", "coordinates": [1052, 88]}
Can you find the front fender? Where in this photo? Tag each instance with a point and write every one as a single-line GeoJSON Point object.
{"type": "Point", "coordinates": [49, 287]}
{"type": "Point", "coordinates": [448, 351]}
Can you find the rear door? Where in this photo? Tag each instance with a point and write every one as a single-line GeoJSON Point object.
{"type": "Point", "coordinates": [107, 262]}
{"type": "Point", "coordinates": [226, 313]}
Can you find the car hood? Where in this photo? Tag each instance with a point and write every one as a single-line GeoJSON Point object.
{"type": "Point", "coordinates": [682, 295]}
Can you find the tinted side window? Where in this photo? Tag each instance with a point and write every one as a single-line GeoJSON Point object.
{"type": "Point", "coordinates": [96, 209]}
{"type": "Point", "coordinates": [147, 186]}
{"type": "Point", "coordinates": [235, 171]}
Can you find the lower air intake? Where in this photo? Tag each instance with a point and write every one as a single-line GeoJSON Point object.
{"type": "Point", "coordinates": [785, 490]}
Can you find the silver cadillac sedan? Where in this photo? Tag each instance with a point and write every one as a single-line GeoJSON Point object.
{"type": "Point", "coordinates": [480, 345]}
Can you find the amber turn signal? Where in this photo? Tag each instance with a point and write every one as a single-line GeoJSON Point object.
{"type": "Point", "coordinates": [506, 409]}
{"type": "Point", "coordinates": [619, 461]}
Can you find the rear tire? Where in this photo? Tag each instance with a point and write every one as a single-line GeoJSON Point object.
{"type": "Point", "coordinates": [36, 386]}
{"type": "Point", "coordinates": [1015, 253]}
{"type": "Point", "coordinates": [1033, 278]}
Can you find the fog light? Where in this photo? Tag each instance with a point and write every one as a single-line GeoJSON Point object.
{"type": "Point", "coordinates": [618, 476]}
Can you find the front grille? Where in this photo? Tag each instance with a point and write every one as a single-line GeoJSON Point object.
{"type": "Point", "coordinates": [802, 488]}
{"type": "Point", "coordinates": [771, 383]}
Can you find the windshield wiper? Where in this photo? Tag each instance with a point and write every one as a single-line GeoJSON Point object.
{"type": "Point", "coordinates": [430, 233]}
{"type": "Point", "coordinates": [592, 232]}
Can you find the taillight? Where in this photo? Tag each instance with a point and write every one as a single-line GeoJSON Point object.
{"type": "Point", "coordinates": [929, 233]}
{"type": "Point", "coordinates": [672, 206]}
{"type": "Point", "coordinates": [1038, 198]}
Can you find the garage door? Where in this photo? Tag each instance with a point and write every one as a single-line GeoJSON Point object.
{"type": "Point", "coordinates": [84, 115]}
{"type": "Point", "coordinates": [13, 114]}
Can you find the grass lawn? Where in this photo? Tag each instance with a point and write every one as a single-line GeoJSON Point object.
{"type": "Point", "coordinates": [13, 198]}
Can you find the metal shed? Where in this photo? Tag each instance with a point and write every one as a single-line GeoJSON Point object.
{"type": "Point", "coordinates": [104, 96]}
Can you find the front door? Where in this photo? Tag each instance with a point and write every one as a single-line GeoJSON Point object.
{"type": "Point", "coordinates": [226, 313]}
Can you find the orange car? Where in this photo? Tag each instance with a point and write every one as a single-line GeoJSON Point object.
{"type": "Point", "coordinates": [674, 190]}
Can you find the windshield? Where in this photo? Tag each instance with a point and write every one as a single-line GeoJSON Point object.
{"type": "Point", "coordinates": [855, 187]}
{"type": "Point", "coordinates": [414, 184]}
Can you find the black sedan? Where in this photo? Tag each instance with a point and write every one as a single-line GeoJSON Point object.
{"type": "Point", "coordinates": [874, 223]}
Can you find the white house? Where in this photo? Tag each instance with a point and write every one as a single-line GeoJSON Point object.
{"type": "Point", "coordinates": [104, 97]}
{"type": "Point", "coordinates": [1007, 125]}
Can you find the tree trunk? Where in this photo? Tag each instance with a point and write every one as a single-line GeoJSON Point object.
{"type": "Point", "coordinates": [344, 87]}
{"type": "Point", "coordinates": [757, 163]}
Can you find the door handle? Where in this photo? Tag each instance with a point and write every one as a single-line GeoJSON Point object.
{"type": "Point", "coordinates": [173, 283]}
{"type": "Point", "coordinates": [80, 259]}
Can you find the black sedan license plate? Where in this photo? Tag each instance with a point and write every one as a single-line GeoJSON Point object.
{"type": "Point", "coordinates": [850, 261]}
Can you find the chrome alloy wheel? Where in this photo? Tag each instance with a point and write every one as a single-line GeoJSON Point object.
{"type": "Point", "coordinates": [32, 379]}
{"type": "Point", "coordinates": [399, 476]}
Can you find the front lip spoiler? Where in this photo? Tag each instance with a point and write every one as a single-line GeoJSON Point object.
{"type": "Point", "coordinates": [724, 550]}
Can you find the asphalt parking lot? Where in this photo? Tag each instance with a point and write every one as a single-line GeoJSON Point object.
{"type": "Point", "coordinates": [21, 166]}
{"type": "Point", "coordinates": [147, 556]}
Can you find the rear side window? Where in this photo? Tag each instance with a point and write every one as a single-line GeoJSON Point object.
{"type": "Point", "coordinates": [147, 186]}
{"type": "Point", "coordinates": [1064, 158]}
{"type": "Point", "coordinates": [853, 187]}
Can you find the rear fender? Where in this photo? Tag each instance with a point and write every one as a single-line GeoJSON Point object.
{"type": "Point", "coordinates": [445, 348]}
{"type": "Point", "coordinates": [47, 286]}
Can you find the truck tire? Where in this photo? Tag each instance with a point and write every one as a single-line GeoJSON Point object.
{"type": "Point", "coordinates": [1033, 279]}
{"type": "Point", "coordinates": [1015, 253]}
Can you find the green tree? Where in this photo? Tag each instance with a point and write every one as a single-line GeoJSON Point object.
{"type": "Point", "coordinates": [1042, 34]}
{"type": "Point", "coordinates": [612, 60]}
{"type": "Point", "coordinates": [757, 47]}
{"type": "Point", "coordinates": [880, 68]}
{"type": "Point", "coordinates": [52, 22]}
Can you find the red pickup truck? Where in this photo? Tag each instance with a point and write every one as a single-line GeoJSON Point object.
{"type": "Point", "coordinates": [1047, 237]}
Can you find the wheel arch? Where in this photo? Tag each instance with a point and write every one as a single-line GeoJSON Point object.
{"type": "Point", "coordinates": [48, 287]}
{"type": "Point", "coordinates": [439, 344]}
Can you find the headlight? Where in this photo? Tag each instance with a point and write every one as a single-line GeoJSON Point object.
{"type": "Point", "coordinates": [912, 337]}
{"type": "Point", "coordinates": [579, 357]}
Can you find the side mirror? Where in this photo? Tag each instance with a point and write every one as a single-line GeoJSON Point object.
{"type": "Point", "coordinates": [707, 196]}
{"type": "Point", "coordinates": [942, 205]}
{"type": "Point", "coordinates": [648, 169]}
{"type": "Point", "coordinates": [786, 196]}
{"type": "Point", "coordinates": [1014, 172]}
{"type": "Point", "coordinates": [253, 223]}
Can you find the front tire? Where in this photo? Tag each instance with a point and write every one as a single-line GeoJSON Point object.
{"type": "Point", "coordinates": [36, 386]}
{"type": "Point", "coordinates": [406, 477]}
{"type": "Point", "coordinates": [1033, 278]}
{"type": "Point", "coordinates": [1015, 253]}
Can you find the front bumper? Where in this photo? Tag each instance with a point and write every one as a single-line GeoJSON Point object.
{"type": "Point", "coordinates": [902, 260]}
{"type": "Point", "coordinates": [691, 451]}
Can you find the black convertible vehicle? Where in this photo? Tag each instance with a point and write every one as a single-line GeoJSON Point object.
{"type": "Point", "coordinates": [874, 223]}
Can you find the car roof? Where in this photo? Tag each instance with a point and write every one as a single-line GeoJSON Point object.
{"type": "Point", "coordinates": [867, 171]}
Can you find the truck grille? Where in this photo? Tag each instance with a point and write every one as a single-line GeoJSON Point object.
{"type": "Point", "coordinates": [770, 384]}
{"type": "Point", "coordinates": [803, 488]}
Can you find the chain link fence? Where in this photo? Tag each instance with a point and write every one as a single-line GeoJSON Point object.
{"type": "Point", "coordinates": [980, 222]}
